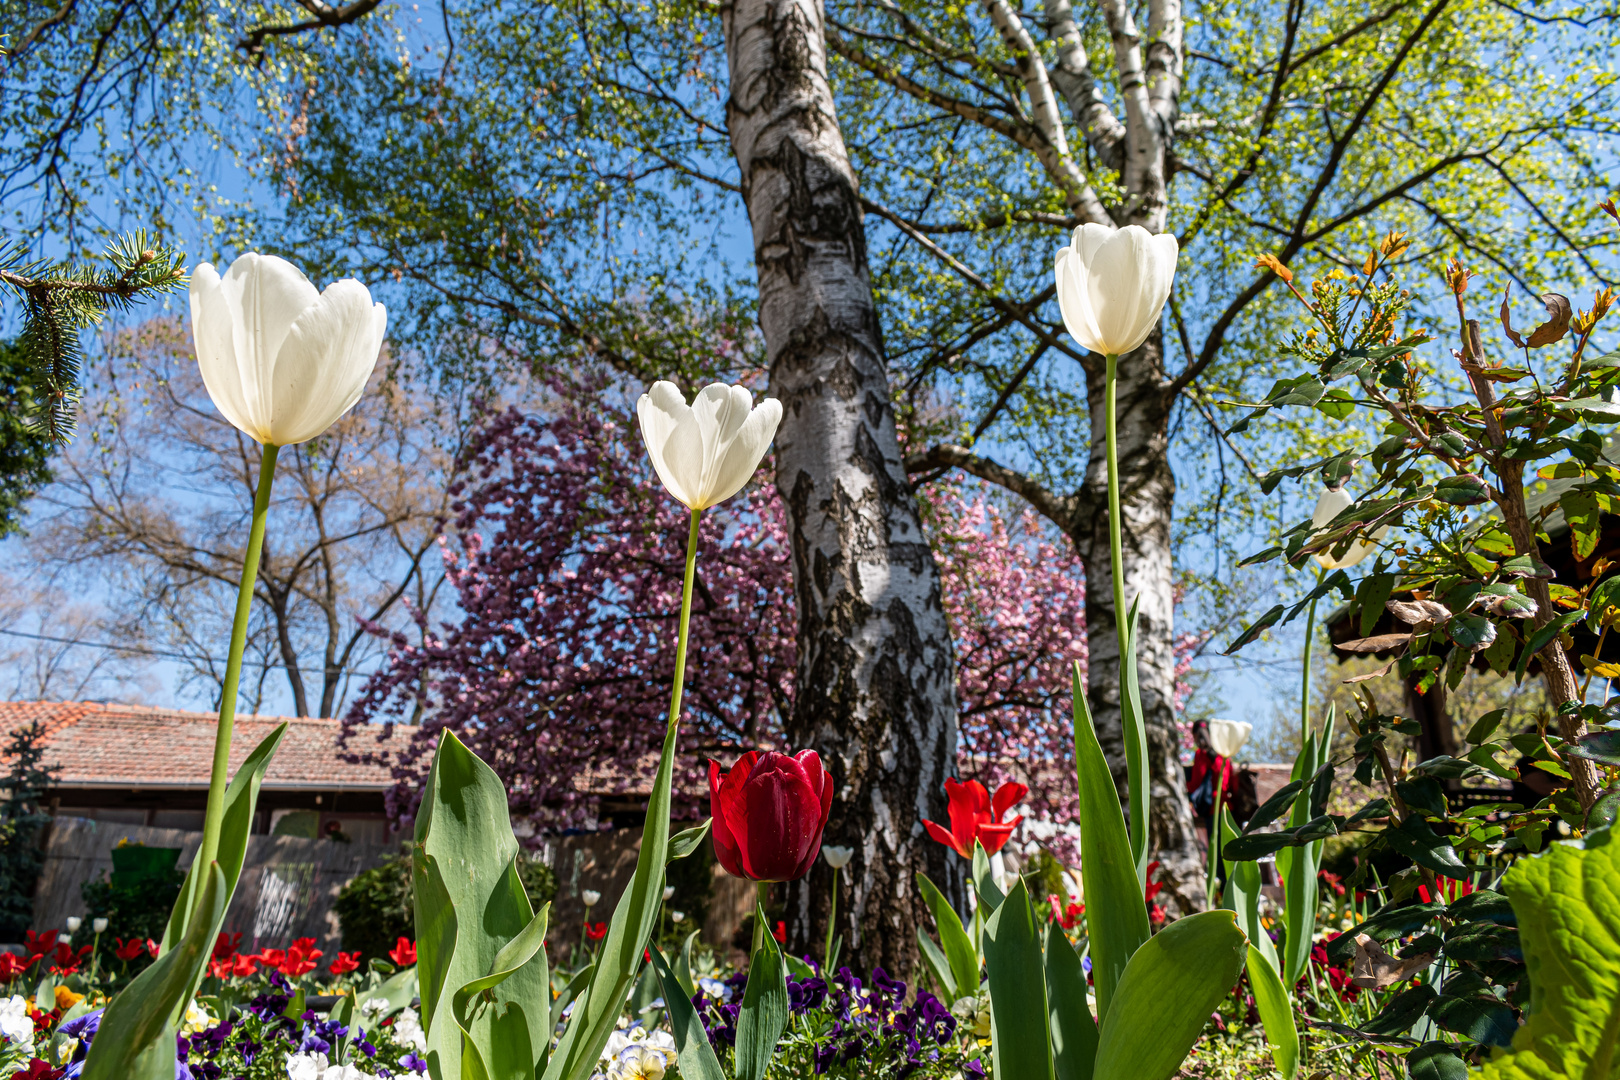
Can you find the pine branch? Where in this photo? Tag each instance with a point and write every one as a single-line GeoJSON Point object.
{"type": "Point", "coordinates": [61, 300]}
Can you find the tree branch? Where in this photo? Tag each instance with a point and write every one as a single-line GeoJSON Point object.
{"type": "Point", "coordinates": [325, 15]}
{"type": "Point", "coordinates": [1059, 509]}
{"type": "Point", "coordinates": [1072, 76]}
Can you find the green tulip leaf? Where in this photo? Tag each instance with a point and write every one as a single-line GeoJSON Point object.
{"type": "Point", "coordinates": [1073, 1029]}
{"type": "Point", "coordinates": [765, 1008]}
{"type": "Point", "coordinates": [1242, 896]}
{"type": "Point", "coordinates": [687, 841]}
{"type": "Point", "coordinates": [1019, 1042]}
{"type": "Point", "coordinates": [470, 907]}
{"type": "Point", "coordinates": [953, 939]}
{"type": "Point", "coordinates": [507, 1054]}
{"type": "Point", "coordinates": [1172, 984]}
{"type": "Point", "coordinates": [1276, 1011]}
{"type": "Point", "coordinates": [1136, 764]}
{"type": "Point", "coordinates": [938, 966]}
{"type": "Point", "coordinates": [137, 1033]}
{"type": "Point", "coordinates": [1565, 900]}
{"type": "Point", "coordinates": [693, 1054]}
{"type": "Point", "coordinates": [984, 882]}
{"type": "Point", "coordinates": [1115, 911]}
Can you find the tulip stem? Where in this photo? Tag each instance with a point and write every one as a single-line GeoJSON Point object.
{"type": "Point", "coordinates": [214, 817]}
{"type": "Point", "coordinates": [686, 618]}
{"type": "Point", "coordinates": [1305, 678]}
{"type": "Point", "coordinates": [832, 920]}
{"type": "Point", "coordinates": [763, 890]}
{"type": "Point", "coordinates": [1116, 555]}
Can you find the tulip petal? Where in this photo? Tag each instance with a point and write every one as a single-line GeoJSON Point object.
{"type": "Point", "coordinates": [725, 845]}
{"type": "Point", "coordinates": [1007, 796]}
{"type": "Point", "coordinates": [938, 833]}
{"type": "Point", "coordinates": [212, 336]}
{"type": "Point", "coordinates": [660, 411]}
{"type": "Point", "coordinates": [969, 804]}
{"type": "Point", "coordinates": [735, 812]}
{"type": "Point", "coordinates": [328, 356]}
{"type": "Point", "coordinates": [994, 837]}
{"type": "Point", "coordinates": [1113, 282]}
{"type": "Point", "coordinates": [266, 294]}
{"type": "Point", "coordinates": [1074, 302]}
{"type": "Point", "coordinates": [784, 815]}
{"type": "Point", "coordinates": [741, 458]}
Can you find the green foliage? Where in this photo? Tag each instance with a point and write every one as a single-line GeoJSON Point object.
{"type": "Point", "coordinates": [21, 819]}
{"type": "Point", "coordinates": [60, 300]}
{"type": "Point", "coordinates": [1565, 902]}
{"type": "Point", "coordinates": [25, 454]}
{"type": "Point", "coordinates": [136, 905]}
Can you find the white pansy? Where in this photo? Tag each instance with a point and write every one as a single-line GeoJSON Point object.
{"type": "Point", "coordinates": [197, 1019]}
{"type": "Point", "coordinates": [281, 360]}
{"type": "Point", "coordinates": [408, 1030]}
{"type": "Point", "coordinates": [1332, 503]}
{"type": "Point", "coordinates": [640, 1063]}
{"type": "Point", "coordinates": [714, 988]}
{"type": "Point", "coordinates": [706, 451]}
{"type": "Point", "coordinates": [310, 1066]}
{"type": "Point", "coordinates": [1226, 737]}
{"type": "Point", "coordinates": [347, 1071]}
{"type": "Point", "coordinates": [15, 1023]}
{"type": "Point", "coordinates": [1112, 285]}
{"type": "Point", "coordinates": [837, 857]}
{"type": "Point", "coordinates": [373, 1006]}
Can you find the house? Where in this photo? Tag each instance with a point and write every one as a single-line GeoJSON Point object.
{"type": "Point", "coordinates": [142, 766]}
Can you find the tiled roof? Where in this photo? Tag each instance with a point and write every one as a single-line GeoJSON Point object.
{"type": "Point", "coordinates": [135, 746]}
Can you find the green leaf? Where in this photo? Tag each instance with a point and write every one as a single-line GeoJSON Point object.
{"type": "Point", "coordinates": [1401, 1012]}
{"type": "Point", "coordinates": [962, 958]}
{"type": "Point", "coordinates": [137, 1033]}
{"type": "Point", "coordinates": [1115, 910]}
{"type": "Point", "coordinates": [1436, 1061]}
{"type": "Point", "coordinates": [938, 966]}
{"type": "Point", "coordinates": [1472, 632]}
{"type": "Point", "coordinates": [1481, 1018]}
{"type": "Point", "coordinates": [764, 1013]}
{"type": "Point", "coordinates": [501, 1048]}
{"type": "Point", "coordinates": [1276, 1010]}
{"type": "Point", "coordinates": [687, 841]}
{"type": "Point", "coordinates": [1418, 842]}
{"type": "Point", "coordinates": [1019, 1040]}
{"type": "Point", "coordinates": [1486, 726]}
{"type": "Point", "coordinates": [1174, 981]}
{"type": "Point", "coordinates": [1599, 746]}
{"type": "Point", "coordinates": [1274, 807]}
{"type": "Point", "coordinates": [1465, 489]}
{"type": "Point", "coordinates": [619, 960]}
{"type": "Point", "coordinates": [1252, 846]}
{"type": "Point", "coordinates": [683, 964]}
{"type": "Point", "coordinates": [984, 882]}
{"type": "Point", "coordinates": [1371, 595]}
{"type": "Point", "coordinates": [1582, 512]}
{"type": "Point", "coordinates": [693, 1054]}
{"type": "Point", "coordinates": [1136, 749]}
{"type": "Point", "coordinates": [1544, 637]}
{"type": "Point", "coordinates": [465, 855]}
{"type": "Point", "coordinates": [1073, 1029]}
{"type": "Point", "coordinates": [1242, 896]}
{"type": "Point", "coordinates": [1254, 630]}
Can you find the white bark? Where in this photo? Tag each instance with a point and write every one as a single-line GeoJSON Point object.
{"type": "Point", "coordinates": [875, 688]}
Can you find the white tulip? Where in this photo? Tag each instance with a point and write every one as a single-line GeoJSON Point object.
{"type": "Point", "coordinates": [73, 924]}
{"type": "Point", "coordinates": [98, 925]}
{"type": "Point", "coordinates": [1333, 502]}
{"type": "Point", "coordinates": [1112, 285]}
{"type": "Point", "coordinates": [1226, 737]}
{"type": "Point", "coordinates": [837, 857]}
{"type": "Point", "coordinates": [678, 916]}
{"type": "Point", "coordinates": [706, 451]}
{"type": "Point", "coordinates": [669, 891]}
{"type": "Point", "coordinates": [281, 360]}
{"type": "Point", "coordinates": [591, 897]}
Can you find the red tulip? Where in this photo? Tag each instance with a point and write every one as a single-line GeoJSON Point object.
{"type": "Point", "coordinates": [403, 953]}
{"type": "Point", "coordinates": [976, 816]}
{"type": "Point", "coordinates": [769, 811]}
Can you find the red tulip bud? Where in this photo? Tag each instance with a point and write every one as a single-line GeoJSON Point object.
{"type": "Point", "coordinates": [769, 811]}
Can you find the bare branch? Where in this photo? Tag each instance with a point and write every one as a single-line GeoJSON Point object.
{"type": "Point", "coordinates": [1059, 509]}
{"type": "Point", "coordinates": [28, 39]}
{"type": "Point", "coordinates": [325, 15]}
{"type": "Point", "coordinates": [1072, 76]}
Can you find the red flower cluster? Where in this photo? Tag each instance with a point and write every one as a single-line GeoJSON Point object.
{"type": "Point", "coordinates": [403, 953]}
{"type": "Point", "coordinates": [63, 959]}
{"type": "Point", "coordinates": [240, 966]}
{"type": "Point", "coordinates": [1156, 913]}
{"type": "Point", "coordinates": [296, 960]}
{"type": "Point", "coordinates": [346, 962]}
{"type": "Point", "coordinates": [1332, 881]}
{"type": "Point", "coordinates": [596, 932]}
{"type": "Point", "coordinates": [1068, 917]}
{"type": "Point", "coordinates": [976, 815]}
{"type": "Point", "coordinates": [1338, 978]}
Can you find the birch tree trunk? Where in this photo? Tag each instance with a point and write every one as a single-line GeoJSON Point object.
{"type": "Point", "coordinates": [875, 689]}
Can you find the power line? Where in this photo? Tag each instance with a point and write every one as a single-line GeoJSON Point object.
{"type": "Point", "coordinates": [165, 654]}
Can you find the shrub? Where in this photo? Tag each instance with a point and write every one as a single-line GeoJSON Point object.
{"type": "Point", "coordinates": [137, 899]}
